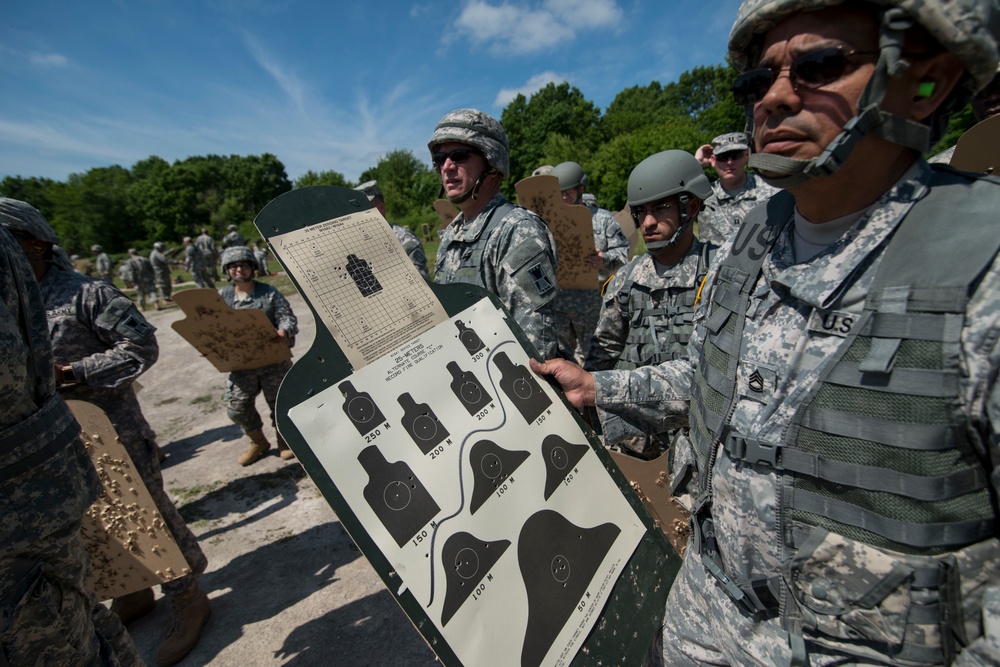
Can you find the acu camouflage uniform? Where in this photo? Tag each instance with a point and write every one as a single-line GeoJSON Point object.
{"type": "Point", "coordinates": [647, 319]}
{"type": "Point", "coordinates": [161, 273]}
{"type": "Point", "coordinates": [142, 275]}
{"type": "Point", "coordinates": [722, 214]}
{"type": "Point", "coordinates": [848, 491]}
{"type": "Point", "coordinates": [513, 257]}
{"type": "Point", "coordinates": [206, 244]}
{"type": "Point", "coordinates": [48, 613]}
{"type": "Point", "coordinates": [194, 261]}
{"type": "Point", "coordinates": [243, 387]}
{"type": "Point", "coordinates": [577, 310]}
{"type": "Point", "coordinates": [99, 332]}
{"type": "Point", "coordinates": [414, 249]}
{"type": "Point", "coordinates": [103, 266]}
{"type": "Point", "coordinates": [233, 239]}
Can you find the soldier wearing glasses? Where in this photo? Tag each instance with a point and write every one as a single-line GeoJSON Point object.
{"type": "Point", "coordinates": [736, 191]}
{"type": "Point", "coordinates": [492, 243]}
{"type": "Point", "coordinates": [243, 387]}
{"type": "Point", "coordinates": [845, 411]}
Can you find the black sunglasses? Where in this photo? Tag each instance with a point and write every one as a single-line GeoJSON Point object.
{"type": "Point", "coordinates": [810, 71]}
{"type": "Point", "coordinates": [458, 156]}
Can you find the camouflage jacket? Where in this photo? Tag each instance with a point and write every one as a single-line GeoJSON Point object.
{"type": "Point", "coordinates": [267, 298]}
{"type": "Point", "coordinates": [206, 244]}
{"type": "Point", "coordinates": [103, 263]}
{"type": "Point", "coordinates": [789, 332]}
{"type": "Point", "coordinates": [722, 214]}
{"type": "Point", "coordinates": [141, 269]}
{"type": "Point", "coordinates": [610, 240]}
{"type": "Point", "coordinates": [414, 249]}
{"type": "Point", "coordinates": [194, 259]}
{"type": "Point", "coordinates": [233, 239]}
{"type": "Point", "coordinates": [47, 478]}
{"type": "Point", "coordinates": [514, 258]}
{"type": "Point", "coordinates": [160, 264]}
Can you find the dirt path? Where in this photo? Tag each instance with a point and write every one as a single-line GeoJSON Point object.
{"type": "Point", "coordinates": [287, 584]}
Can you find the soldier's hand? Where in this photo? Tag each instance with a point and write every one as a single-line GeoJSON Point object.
{"type": "Point", "coordinates": [704, 155]}
{"type": "Point", "coordinates": [595, 261]}
{"type": "Point", "coordinates": [576, 383]}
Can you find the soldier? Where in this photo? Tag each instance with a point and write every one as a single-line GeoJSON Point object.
{"type": "Point", "coordinates": [492, 243]}
{"type": "Point", "coordinates": [161, 271]}
{"type": "Point", "coordinates": [649, 305]}
{"type": "Point", "coordinates": [142, 275]}
{"type": "Point", "coordinates": [194, 261]}
{"type": "Point", "coordinates": [48, 482]}
{"type": "Point", "coordinates": [577, 310]}
{"type": "Point", "coordinates": [411, 244]}
{"type": "Point", "coordinates": [233, 239]}
{"type": "Point", "coordinates": [206, 244]}
{"type": "Point", "coordinates": [243, 387]}
{"type": "Point", "coordinates": [103, 263]}
{"type": "Point", "coordinates": [845, 411]}
{"type": "Point", "coordinates": [260, 252]}
{"type": "Point", "coordinates": [736, 191]}
{"type": "Point", "coordinates": [100, 345]}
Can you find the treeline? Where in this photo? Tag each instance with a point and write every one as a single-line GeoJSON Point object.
{"type": "Point", "coordinates": [158, 201]}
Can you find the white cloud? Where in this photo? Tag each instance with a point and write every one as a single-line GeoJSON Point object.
{"type": "Point", "coordinates": [288, 82]}
{"type": "Point", "coordinates": [48, 59]}
{"type": "Point", "coordinates": [535, 83]}
{"type": "Point", "coordinates": [519, 29]}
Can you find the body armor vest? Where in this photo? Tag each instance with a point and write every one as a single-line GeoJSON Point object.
{"type": "Point", "coordinates": [661, 318]}
{"type": "Point", "coordinates": [878, 451]}
{"type": "Point", "coordinates": [472, 254]}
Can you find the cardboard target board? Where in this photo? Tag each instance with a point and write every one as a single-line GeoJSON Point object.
{"type": "Point", "coordinates": [978, 149]}
{"type": "Point", "coordinates": [129, 545]}
{"type": "Point", "coordinates": [572, 227]}
{"type": "Point", "coordinates": [496, 521]}
{"type": "Point", "coordinates": [651, 481]}
{"type": "Point", "coordinates": [625, 221]}
{"type": "Point", "coordinates": [233, 340]}
{"type": "Point", "coordinates": [446, 211]}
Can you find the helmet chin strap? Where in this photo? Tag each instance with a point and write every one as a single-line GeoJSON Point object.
{"type": "Point", "coordinates": [784, 172]}
{"type": "Point", "coordinates": [474, 190]}
{"type": "Point", "coordinates": [675, 238]}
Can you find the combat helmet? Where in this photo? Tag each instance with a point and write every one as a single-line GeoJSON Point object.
{"type": "Point", "coordinates": [19, 216]}
{"type": "Point", "coordinates": [966, 28]}
{"type": "Point", "coordinates": [480, 130]}
{"type": "Point", "coordinates": [158, 246]}
{"type": "Point", "coordinates": [672, 172]}
{"type": "Point", "coordinates": [570, 175]}
{"type": "Point", "coordinates": [239, 253]}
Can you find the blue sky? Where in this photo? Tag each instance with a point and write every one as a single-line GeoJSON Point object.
{"type": "Point", "coordinates": [322, 85]}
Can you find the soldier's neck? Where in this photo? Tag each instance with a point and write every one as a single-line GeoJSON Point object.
{"type": "Point", "coordinates": [244, 288]}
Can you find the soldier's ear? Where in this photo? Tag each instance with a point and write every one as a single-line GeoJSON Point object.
{"type": "Point", "coordinates": [694, 207]}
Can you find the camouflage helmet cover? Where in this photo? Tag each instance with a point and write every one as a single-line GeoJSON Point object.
{"type": "Point", "coordinates": [21, 216]}
{"type": "Point", "coordinates": [96, 248]}
{"type": "Point", "coordinates": [371, 190]}
{"type": "Point", "coordinates": [966, 28]}
{"type": "Point", "coordinates": [570, 175]}
{"type": "Point", "coordinates": [478, 129]}
{"type": "Point", "coordinates": [239, 253]}
{"type": "Point", "coordinates": [667, 173]}
{"type": "Point", "coordinates": [158, 246]}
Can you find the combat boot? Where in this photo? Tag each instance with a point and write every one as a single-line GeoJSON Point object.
{"type": "Point", "coordinates": [284, 451]}
{"type": "Point", "coordinates": [188, 616]}
{"type": "Point", "coordinates": [134, 606]}
{"type": "Point", "coordinates": [258, 447]}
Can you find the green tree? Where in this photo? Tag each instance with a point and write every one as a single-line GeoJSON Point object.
{"type": "Point", "coordinates": [704, 94]}
{"type": "Point", "coordinates": [408, 185]}
{"type": "Point", "coordinates": [322, 178]}
{"type": "Point", "coordinates": [635, 108]}
{"type": "Point", "coordinates": [555, 109]}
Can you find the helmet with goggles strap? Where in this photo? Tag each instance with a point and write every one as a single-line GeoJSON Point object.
{"type": "Point", "coordinates": [239, 253]}
{"type": "Point", "coordinates": [965, 28]}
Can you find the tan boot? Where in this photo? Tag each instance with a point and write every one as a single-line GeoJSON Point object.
{"type": "Point", "coordinates": [284, 451]}
{"type": "Point", "coordinates": [134, 606]}
{"type": "Point", "coordinates": [258, 447]}
{"type": "Point", "coordinates": [188, 616]}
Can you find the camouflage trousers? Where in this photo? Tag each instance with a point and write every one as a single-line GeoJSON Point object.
{"type": "Point", "coordinates": [577, 314]}
{"type": "Point", "coordinates": [144, 290]}
{"type": "Point", "coordinates": [202, 277]}
{"type": "Point", "coordinates": [164, 287]}
{"type": "Point", "coordinates": [242, 389]}
{"type": "Point", "coordinates": [48, 615]}
{"type": "Point", "coordinates": [134, 431]}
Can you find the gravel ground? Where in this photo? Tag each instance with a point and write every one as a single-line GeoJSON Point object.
{"type": "Point", "coordinates": [287, 584]}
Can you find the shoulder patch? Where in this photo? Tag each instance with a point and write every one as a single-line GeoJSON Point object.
{"type": "Point", "coordinates": [122, 316]}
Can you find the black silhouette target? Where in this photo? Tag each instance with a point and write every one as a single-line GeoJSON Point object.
{"type": "Point", "coordinates": [467, 560]}
{"type": "Point", "coordinates": [470, 339]}
{"type": "Point", "coordinates": [492, 465]}
{"type": "Point", "coordinates": [362, 275]}
{"type": "Point", "coordinates": [559, 457]}
{"type": "Point", "coordinates": [397, 497]}
{"type": "Point", "coordinates": [360, 409]}
{"type": "Point", "coordinates": [468, 389]}
{"type": "Point", "coordinates": [422, 424]}
{"type": "Point", "coordinates": [558, 561]}
{"type": "Point", "coordinates": [521, 388]}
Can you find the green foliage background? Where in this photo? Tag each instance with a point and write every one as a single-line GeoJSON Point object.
{"type": "Point", "coordinates": [158, 201]}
